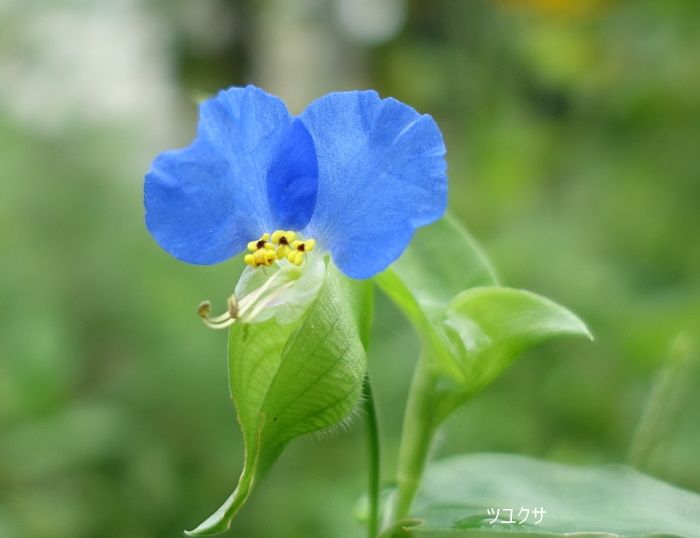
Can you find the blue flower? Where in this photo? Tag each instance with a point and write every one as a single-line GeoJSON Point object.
{"type": "Point", "coordinates": [354, 175]}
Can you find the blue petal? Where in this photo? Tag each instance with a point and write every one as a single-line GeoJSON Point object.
{"type": "Point", "coordinates": [206, 201]}
{"type": "Point", "coordinates": [292, 180]}
{"type": "Point", "coordinates": [382, 173]}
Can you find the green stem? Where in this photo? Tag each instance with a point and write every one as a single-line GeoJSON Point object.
{"type": "Point", "coordinates": [420, 423]}
{"type": "Point", "coordinates": [374, 458]}
{"type": "Point", "coordinates": [662, 403]}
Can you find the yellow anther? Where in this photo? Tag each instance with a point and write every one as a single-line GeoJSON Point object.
{"type": "Point", "coordinates": [263, 242]}
{"type": "Point", "coordinates": [263, 252]}
{"type": "Point", "coordinates": [260, 257]}
{"type": "Point", "coordinates": [281, 244]}
{"type": "Point", "coordinates": [281, 237]}
{"type": "Point", "coordinates": [283, 251]}
{"type": "Point", "coordinates": [296, 257]}
{"type": "Point", "coordinates": [299, 249]}
{"type": "Point", "coordinates": [304, 246]}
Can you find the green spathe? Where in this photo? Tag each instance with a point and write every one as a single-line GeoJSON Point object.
{"type": "Point", "coordinates": [292, 379]}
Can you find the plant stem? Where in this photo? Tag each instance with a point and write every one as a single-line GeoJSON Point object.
{"type": "Point", "coordinates": [374, 458]}
{"type": "Point", "coordinates": [420, 423]}
{"type": "Point", "coordinates": [663, 401]}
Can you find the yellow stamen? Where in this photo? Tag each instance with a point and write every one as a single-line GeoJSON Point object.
{"type": "Point", "coordinates": [283, 239]}
{"type": "Point", "coordinates": [305, 246]}
{"type": "Point", "coordinates": [295, 257]}
{"type": "Point", "coordinates": [299, 248]}
{"type": "Point", "coordinates": [279, 245]}
{"type": "Point", "coordinates": [263, 252]}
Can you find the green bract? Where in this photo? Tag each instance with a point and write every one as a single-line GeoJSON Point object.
{"type": "Point", "coordinates": [288, 380]}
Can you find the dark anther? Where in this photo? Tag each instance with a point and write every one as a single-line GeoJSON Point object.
{"type": "Point", "coordinates": [301, 247]}
{"type": "Point", "coordinates": [204, 309]}
{"type": "Point", "coordinates": [260, 244]}
{"type": "Point", "coordinates": [283, 240]}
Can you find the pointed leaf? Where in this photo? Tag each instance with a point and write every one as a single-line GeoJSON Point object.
{"type": "Point", "coordinates": [441, 261]}
{"type": "Point", "coordinates": [470, 328]}
{"type": "Point", "coordinates": [489, 327]}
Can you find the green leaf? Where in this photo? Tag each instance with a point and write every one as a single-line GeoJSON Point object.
{"type": "Point", "coordinates": [470, 328]}
{"type": "Point", "coordinates": [293, 379]}
{"type": "Point", "coordinates": [601, 501]}
{"type": "Point", "coordinates": [489, 327]}
{"type": "Point", "coordinates": [441, 261]}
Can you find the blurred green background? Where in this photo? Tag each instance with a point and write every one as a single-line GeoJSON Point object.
{"type": "Point", "coordinates": [572, 129]}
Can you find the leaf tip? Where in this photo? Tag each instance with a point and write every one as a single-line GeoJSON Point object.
{"type": "Point", "coordinates": [583, 330]}
{"type": "Point", "coordinates": [208, 528]}
{"type": "Point", "coordinates": [220, 520]}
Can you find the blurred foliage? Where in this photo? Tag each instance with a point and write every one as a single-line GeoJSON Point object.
{"type": "Point", "coordinates": [571, 129]}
